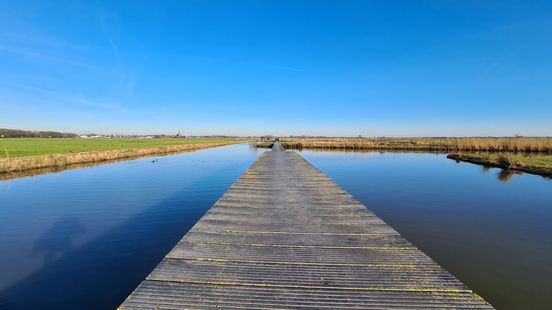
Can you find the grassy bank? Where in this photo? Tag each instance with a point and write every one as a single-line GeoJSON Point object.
{"type": "Point", "coordinates": [23, 154]}
{"type": "Point", "coordinates": [530, 163]}
{"type": "Point", "coordinates": [529, 145]}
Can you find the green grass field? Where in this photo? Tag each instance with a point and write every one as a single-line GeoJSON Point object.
{"type": "Point", "coordinates": [17, 147]}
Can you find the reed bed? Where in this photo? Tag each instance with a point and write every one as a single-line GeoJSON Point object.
{"type": "Point", "coordinates": [512, 145]}
{"type": "Point", "coordinates": [60, 160]}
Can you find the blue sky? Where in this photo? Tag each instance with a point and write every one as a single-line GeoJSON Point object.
{"type": "Point", "coordinates": [374, 68]}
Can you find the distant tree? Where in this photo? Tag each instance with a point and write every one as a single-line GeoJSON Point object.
{"type": "Point", "coordinates": [16, 133]}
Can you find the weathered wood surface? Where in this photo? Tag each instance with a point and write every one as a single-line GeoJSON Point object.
{"type": "Point", "coordinates": [286, 236]}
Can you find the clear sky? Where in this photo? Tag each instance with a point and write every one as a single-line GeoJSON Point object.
{"type": "Point", "coordinates": [374, 68]}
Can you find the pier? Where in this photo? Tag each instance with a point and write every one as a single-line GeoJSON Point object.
{"type": "Point", "coordinates": [286, 236]}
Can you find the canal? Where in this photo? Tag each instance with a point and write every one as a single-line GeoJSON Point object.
{"type": "Point", "coordinates": [85, 238]}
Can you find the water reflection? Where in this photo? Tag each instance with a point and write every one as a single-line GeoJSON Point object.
{"type": "Point", "coordinates": [100, 231]}
{"type": "Point", "coordinates": [53, 243]}
{"type": "Point", "coordinates": [4, 176]}
{"type": "Point", "coordinates": [493, 236]}
{"type": "Point", "coordinates": [85, 238]}
{"type": "Point", "coordinates": [505, 175]}
{"type": "Point", "coordinates": [102, 272]}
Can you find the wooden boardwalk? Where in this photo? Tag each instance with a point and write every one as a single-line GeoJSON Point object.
{"type": "Point", "coordinates": [286, 236]}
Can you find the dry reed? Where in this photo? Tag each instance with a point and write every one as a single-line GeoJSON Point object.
{"type": "Point", "coordinates": [515, 145]}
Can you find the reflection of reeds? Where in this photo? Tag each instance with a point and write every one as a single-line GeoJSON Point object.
{"type": "Point", "coordinates": [505, 175]}
{"type": "Point", "coordinates": [530, 144]}
{"type": "Point", "coordinates": [61, 160]}
{"type": "Point", "coordinates": [264, 144]}
{"type": "Point", "coordinates": [32, 172]}
{"type": "Point", "coordinates": [37, 171]}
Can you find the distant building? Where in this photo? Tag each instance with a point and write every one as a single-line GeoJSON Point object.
{"type": "Point", "coordinates": [90, 136]}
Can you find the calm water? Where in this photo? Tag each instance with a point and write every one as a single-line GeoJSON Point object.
{"type": "Point", "coordinates": [491, 230]}
{"type": "Point", "coordinates": [85, 238]}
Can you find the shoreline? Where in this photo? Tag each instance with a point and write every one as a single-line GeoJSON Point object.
{"type": "Point", "coordinates": [478, 160]}
{"type": "Point", "coordinates": [487, 159]}
{"type": "Point", "coordinates": [27, 163]}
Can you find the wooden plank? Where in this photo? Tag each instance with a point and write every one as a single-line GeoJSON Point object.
{"type": "Point", "coordinates": [285, 236]}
